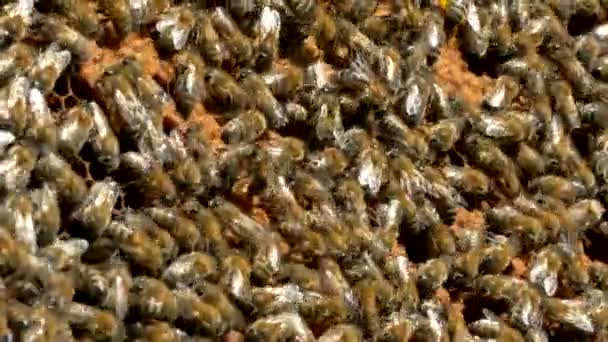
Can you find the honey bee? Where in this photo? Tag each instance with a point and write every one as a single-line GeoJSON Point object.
{"type": "Point", "coordinates": [413, 143]}
{"type": "Point", "coordinates": [151, 298]}
{"type": "Point", "coordinates": [235, 41]}
{"type": "Point", "coordinates": [343, 333]}
{"type": "Point", "coordinates": [18, 56]}
{"type": "Point", "coordinates": [488, 156]}
{"type": "Point", "coordinates": [530, 228]}
{"type": "Point", "coordinates": [431, 275]}
{"type": "Point", "coordinates": [468, 180]}
{"type": "Point", "coordinates": [244, 128]}
{"type": "Point", "coordinates": [120, 14]}
{"type": "Point", "coordinates": [51, 63]}
{"type": "Point", "coordinates": [544, 269]}
{"type": "Point", "coordinates": [413, 104]}
{"type": "Point", "coordinates": [189, 87]}
{"type": "Point", "coordinates": [207, 40]}
{"type": "Point", "coordinates": [224, 90]}
{"type": "Point", "coordinates": [14, 114]}
{"type": "Point", "coordinates": [70, 186]}
{"type": "Point", "coordinates": [214, 295]}
{"type": "Point", "coordinates": [97, 323]}
{"type": "Point", "coordinates": [593, 113]}
{"type": "Point", "coordinates": [505, 90]}
{"type": "Point", "coordinates": [95, 213]}
{"type": "Point", "coordinates": [211, 229]}
{"type": "Point", "coordinates": [16, 167]}
{"type": "Point", "coordinates": [268, 28]}
{"type": "Point", "coordinates": [42, 128]}
{"type": "Point", "coordinates": [197, 315]}
{"type": "Point", "coordinates": [62, 253]}
{"type": "Point", "coordinates": [491, 326]}
{"type": "Point", "coordinates": [296, 112]}
{"type": "Point", "coordinates": [283, 326]}
{"type": "Point", "coordinates": [283, 81]}
{"type": "Point", "coordinates": [53, 29]}
{"type": "Point", "coordinates": [138, 247]}
{"type": "Point", "coordinates": [599, 274]}
{"type": "Point", "coordinates": [498, 255]}
{"type": "Point", "coordinates": [47, 219]}
{"type": "Point", "coordinates": [235, 278]}
{"type": "Point", "coordinates": [74, 131]}
{"type": "Point", "coordinates": [557, 187]}
{"type": "Point", "coordinates": [399, 326]}
{"type": "Point", "coordinates": [183, 230]}
{"type": "Point", "coordinates": [17, 214]}
{"type": "Point", "coordinates": [103, 140]}
{"type": "Point", "coordinates": [569, 314]}
{"type": "Point", "coordinates": [268, 258]}
{"type": "Point", "coordinates": [233, 218]}
{"type": "Point", "coordinates": [445, 133]}
{"type": "Point", "coordinates": [265, 101]}
{"type": "Point", "coordinates": [173, 27]}
{"type": "Point", "coordinates": [152, 181]}
{"type": "Point", "coordinates": [269, 300]}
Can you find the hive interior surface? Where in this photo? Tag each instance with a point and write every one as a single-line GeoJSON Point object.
{"type": "Point", "coordinates": [303, 170]}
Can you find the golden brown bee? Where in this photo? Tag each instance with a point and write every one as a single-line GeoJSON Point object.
{"type": "Point", "coordinates": [530, 161]}
{"type": "Point", "coordinates": [468, 180]}
{"type": "Point", "coordinates": [103, 140]}
{"type": "Point", "coordinates": [414, 143]}
{"type": "Point", "coordinates": [95, 212]}
{"type": "Point", "coordinates": [497, 256]}
{"type": "Point", "coordinates": [265, 100]}
{"type": "Point", "coordinates": [183, 230]}
{"type": "Point", "coordinates": [544, 269]}
{"type": "Point", "coordinates": [398, 327]}
{"type": "Point", "coordinates": [74, 131]}
{"type": "Point", "coordinates": [558, 187]}
{"type": "Point", "coordinates": [283, 326]}
{"type": "Point", "coordinates": [284, 81]}
{"type": "Point", "coordinates": [15, 115]}
{"type": "Point", "coordinates": [267, 38]}
{"type": "Point", "coordinates": [17, 216]}
{"type": "Point", "coordinates": [47, 219]}
{"type": "Point", "coordinates": [509, 127]}
{"type": "Point", "coordinates": [197, 315]}
{"type": "Point", "coordinates": [53, 29]}
{"type": "Point", "coordinates": [173, 27]}
{"type": "Point", "coordinates": [16, 167]}
{"type": "Point", "coordinates": [18, 56]}
{"type": "Point", "coordinates": [189, 88]}
{"type": "Point", "coordinates": [269, 300]}
{"type": "Point", "coordinates": [151, 298]}
{"type": "Point", "coordinates": [152, 181]}
{"type": "Point", "coordinates": [42, 128]}
{"type": "Point", "coordinates": [97, 324]}
{"type": "Point", "coordinates": [487, 155]}
{"type": "Point", "coordinates": [445, 133]}
{"type": "Point", "coordinates": [207, 40]}
{"type": "Point", "coordinates": [138, 247]}
{"type": "Point", "coordinates": [62, 253]}
{"type": "Point", "coordinates": [235, 274]}
{"type": "Point", "coordinates": [342, 333]}
{"type": "Point", "coordinates": [413, 104]}
{"type": "Point", "coordinates": [244, 128]}
{"type": "Point", "coordinates": [569, 314]}
{"type": "Point", "coordinates": [224, 90]}
{"type": "Point", "coordinates": [431, 275]}
{"type": "Point", "coordinates": [210, 227]}
{"type": "Point", "coordinates": [239, 45]}
{"type": "Point", "coordinates": [70, 186]}
{"type": "Point", "coordinates": [492, 327]}
{"type": "Point", "coordinates": [564, 103]}
{"type": "Point", "coordinates": [505, 90]}
{"type": "Point", "coordinates": [214, 295]}
{"type": "Point", "coordinates": [119, 12]}
{"type": "Point", "coordinates": [48, 67]}
{"type": "Point", "coordinates": [233, 218]}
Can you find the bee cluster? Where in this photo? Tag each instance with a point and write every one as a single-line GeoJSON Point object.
{"type": "Point", "coordinates": [303, 170]}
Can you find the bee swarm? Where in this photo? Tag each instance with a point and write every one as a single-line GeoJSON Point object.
{"type": "Point", "coordinates": [303, 170]}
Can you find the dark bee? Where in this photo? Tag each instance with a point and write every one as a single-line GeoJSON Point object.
{"type": "Point", "coordinates": [265, 100]}
{"type": "Point", "coordinates": [70, 186]}
{"type": "Point", "coordinates": [207, 40]}
{"type": "Point", "coordinates": [244, 128]}
{"type": "Point", "coordinates": [174, 28]}
{"type": "Point", "coordinates": [224, 90]}
{"type": "Point", "coordinates": [235, 41]}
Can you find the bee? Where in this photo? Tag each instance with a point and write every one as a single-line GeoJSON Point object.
{"type": "Point", "coordinates": [47, 219]}
{"type": "Point", "coordinates": [224, 90]}
{"type": "Point", "coordinates": [268, 28]}
{"type": "Point", "coordinates": [468, 180]}
{"type": "Point", "coordinates": [152, 181]}
{"type": "Point", "coordinates": [431, 275]}
{"type": "Point", "coordinates": [486, 154]}
{"type": "Point", "coordinates": [413, 142]}
{"type": "Point", "coordinates": [530, 161]}
{"type": "Point", "coordinates": [398, 326]}
{"type": "Point", "coordinates": [138, 247]}
{"type": "Point", "coordinates": [510, 127]}
{"type": "Point", "coordinates": [14, 113]}
{"type": "Point", "coordinates": [183, 230]}
{"type": "Point", "coordinates": [544, 269]}
{"type": "Point", "coordinates": [214, 295]}
{"type": "Point", "coordinates": [233, 218]}
{"type": "Point", "coordinates": [270, 300]}
{"type": "Point", "coordinates": [296, 112]}
{"type": "Point", "coordinates": [207, 40]}
{"type": "Point", "coordinates": [529, 228]}
{"type": "Point", "coordinates": [103, 140]}
{"type": "Point", "coordinates": [95, 213]}
{"type": "Point", "coordinates": [42, 128]}
{"type": "Point", "coordinates": [570, 314]}
{"type": "Point", "coordinates": [37, 323]}
{"type": "Point", "coordinates": [174, 27]}
{"type": "Point", "coordinates": [210, 227]}
{"type": "Point", "coordinates": [70, 186]}
{"type": "Point", "coordinates": [557, 187]}
{"type": "Point", "coordinates": [156, 331]}
{"type": "Point", "coordinates": [342, 332]}
{"type": "Point", "coordinates": [235, 278]}
{"type": "Point", "coordinates": [564, 103]}
{"type": "Point", "coordinates": [268, 258]}
{"type": "Point", "coordinates": [18, 56]}
{"type": "Point", "coordinates": [505, 90]}
{"type": "Point", "coordinates": [53, 29]}
{"type": "Point", "coordinates": [598, 273]}
{"type": "Point", "coordinates": [413, 104]}
{"type": "Point", "coordinates": [197, 315]}
{"type": "Point", "coordinates": [573, 70]}
{"type": "Point", "coordinates": [445, 133]}
{"type": "Point", "coordinates": [586, 213]}
{"type": "Point", "coordinates": [235, 41]}
{"type": "Point", "coordinates": [62, 253]}
{"type": "Point", "coordinates": [244, 128]}
{"type": "Point", "coordinates": [265, 101]}
{"type": "Point", "coordinates": [74, 131]}
{"type": "Point", "coordinates": [283, 326]}
{"type": "Point", "coordinates": [50, 64]}
{"type": "Point", "coordinates": [491, 326]}
{"type": "Point", "coordinates": [161, 238]}
{"type": "Point", "coordinates": [593, 113]}
{"type": "Point", "coordinates": [283, 81]}
{"type": "Point", "coordinates": [16, 167]}
{"type": "Point", "coordinates": [189, 88]}
{"type": "Point", "coordinates": [498, 255]}
{"type": "Point", "coordinates": [17, 214]}
{"type": "Point", "coordinates": [96, 323]}
{"type": "Point", "coordinates": [155, 99]}
{"type": "Point", "coordinates": [152, 299]}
